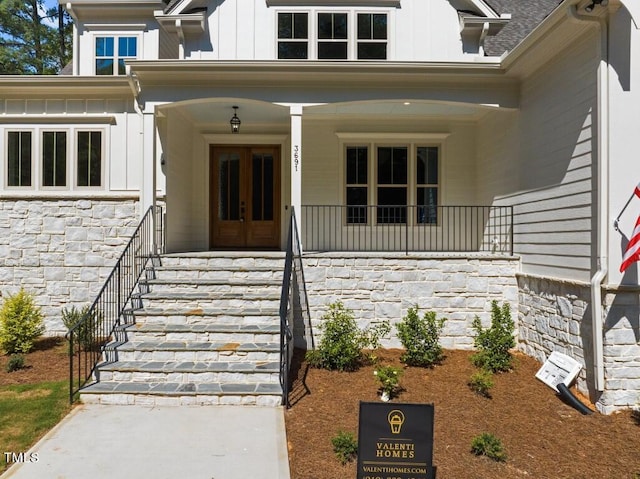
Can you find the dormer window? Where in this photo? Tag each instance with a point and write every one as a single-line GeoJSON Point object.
{"type": "Point", "coordinates": [372, 36]}
{"type": "Point", "coordinates": [111, 53]}
{"type": "Point", "coordinates": [332, 36]}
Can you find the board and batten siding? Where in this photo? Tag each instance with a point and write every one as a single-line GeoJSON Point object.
{"type": "Point", "coordinates": [548, 172]}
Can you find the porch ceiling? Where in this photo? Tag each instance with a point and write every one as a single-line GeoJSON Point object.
{"type": "Point", "coordinates": [219, 111]}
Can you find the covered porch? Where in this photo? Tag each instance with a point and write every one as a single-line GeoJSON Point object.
{"type": "Point", "coordinates": [365, 166]}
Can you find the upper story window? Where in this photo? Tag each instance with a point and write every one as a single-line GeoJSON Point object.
{"type": "Point", "coordinates": [332, 35]}
{"type": "Point", "coordinates": [372, 36]}
{"type": "Point", "coordinates": [111, 53]}
{"type": "Point", "coordinates": [293, 36]}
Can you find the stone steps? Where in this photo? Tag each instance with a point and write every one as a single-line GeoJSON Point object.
{"type": "Point", "coordinates": [204, 328]}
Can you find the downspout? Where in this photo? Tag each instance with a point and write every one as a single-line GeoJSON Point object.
{"type": "Point", "coordinates": [602, 234]}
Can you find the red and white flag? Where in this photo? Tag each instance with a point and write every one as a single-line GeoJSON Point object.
{"type": "Point", "coordinates": [632, 253]}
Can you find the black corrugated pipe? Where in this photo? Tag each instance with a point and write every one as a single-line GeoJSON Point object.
{"type": "Point", "coordinates": [571, 400]}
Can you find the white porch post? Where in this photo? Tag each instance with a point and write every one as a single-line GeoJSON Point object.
{"type": "Point", "coordinates": [148, 183]}
{"type": "Point", "coordinates": [296, 164]}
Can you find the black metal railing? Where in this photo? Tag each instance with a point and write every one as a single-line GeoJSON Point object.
{"type": "Point", "coordinates": [293, 303]}
{"type": "Point", "coordinates": [408, 228]}
{"type": "Point", "coordinates": [89, 336]}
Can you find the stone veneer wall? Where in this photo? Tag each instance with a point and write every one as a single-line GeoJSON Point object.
{"type": "Point", "coordinates": [555, 315]}
{"type": "Point", "coordinates": [382, 286]}
{"type": "Point", "coordinates": [61, 250]}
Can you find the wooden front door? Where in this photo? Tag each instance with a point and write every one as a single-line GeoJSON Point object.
{"type": "Point", "coordinates": [244, 196]}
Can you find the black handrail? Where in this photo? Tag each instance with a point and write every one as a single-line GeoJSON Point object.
{"type": "Point", "coordinates": [89, 336]}
{"type": "Point", "coordinates": [293, 300]}
{"type": "Point", "coordinates": [408, 228]}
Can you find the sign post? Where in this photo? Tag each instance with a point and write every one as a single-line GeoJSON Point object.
{"type": "Point", "coordinates": [395, 441]}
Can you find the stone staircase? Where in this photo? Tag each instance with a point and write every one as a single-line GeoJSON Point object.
{"type": "Point", "coordinates": [204, 329]}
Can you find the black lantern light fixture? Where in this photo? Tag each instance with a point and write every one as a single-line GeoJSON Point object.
{"type": "Point", "coordinates": [235, 121]}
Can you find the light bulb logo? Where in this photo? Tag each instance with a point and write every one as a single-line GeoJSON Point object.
{"type": "Point", "coordinates": [396, 420]}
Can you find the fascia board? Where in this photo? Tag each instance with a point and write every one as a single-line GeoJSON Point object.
{"type": "Point", "coordinates": [333, 3]}
{"type": "Point", "coordinates": [38, 86]}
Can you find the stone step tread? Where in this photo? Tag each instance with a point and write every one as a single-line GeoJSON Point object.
{"type": "Point", "coordinates": [208, 311]}
{"type": "Point", "coordinates": [208, 328]}
{"type": "Point", "coordinates": [210, 295]}
{"type": "Point", "coordinates": [214, 282]}
{"type": "Point", "coordinates": [170, 389]}
{"type": "Point", "coordinates": [226, 254]}
{"type": "Point", "coordinates": [192, 367]}
{"type": "Point", "coordinates": [197, 346]}
{"type": "Point", "coordinates": [230, 268]}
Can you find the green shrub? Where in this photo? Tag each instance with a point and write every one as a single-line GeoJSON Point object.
{"type": "Point", "coordinates": [481, 383]}
{"type": "Point", "coordinates": [342, 343]}
{"type": "Point", "coordinates": [86, 335]}
{"type": "Point", "coordinates": [345, 446]}
{"type": "Point", "coordinates": [21, 323]}
{"type": "Point", "coordinates": [16, 362]}
{"type": "Point", "coordinates": [389, 378]}
{"type": "Point", "coordinates": [494, 343]}
{"type": "Point", "coordinates": [488, 445]}
{"type": "Point", "coordinates": [420, 338]}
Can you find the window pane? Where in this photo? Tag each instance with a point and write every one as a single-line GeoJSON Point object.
{"type": "Point", "coordinates": [104, 46]}
{"type": "Point", "coordinates": [427, 165]}
{"type": "Point", "coordinates": [364, 26]}
{"type": "Point", "coordinates": [122, 69]}
{"type": "Point", "coordinates": [357, 165]}
{"type": "Point", "coordinates": [325, 25]}
{"type": "Point", "coordinates": [332, 51]}
{"type": "Point", "coordinates": [379, 26]}
{"type": "Point", "coordinates": [300, 26]}
{"type": "Point", "coordinates": [392, 165]}
{"type": "Point", "coordinates": [54, 158]}
{"type": "Point", "coordinates": [427, 211]}
{"type": "Point", "coordinates": [19, 158]}
{"type": "Point", "coordinates": [340, 25]}
{"type": "Point", "coordinates": [356, 196]}
{"type": "Point", "coordinates": [285, 25]}
{"type": "Point", "coordinates": [127, 46]}
{"type": "Point", "coordinates": [104, 66]}
{"type": "Point", "coordinates": [391, 203]}
{"type": "Point", "coordinates": [292, 50]}
{"type": "Point", "coordinates": [372, 51]}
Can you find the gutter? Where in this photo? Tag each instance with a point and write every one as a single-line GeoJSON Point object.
{"type": "Point", "coordinates": [602, 234]}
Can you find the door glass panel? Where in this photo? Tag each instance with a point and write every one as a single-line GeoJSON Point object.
{"type": "Point", "coordinates": [262, 187]}
{"type": "Point", "coordinates": [229, 187]}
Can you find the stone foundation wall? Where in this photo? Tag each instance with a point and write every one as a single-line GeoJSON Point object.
{"type": "Point", "coordinates": [62, 250]}
{"type": "Point", "coordinates": [382, 286]}
{"type": "Point", "coordinates": [556, 315]}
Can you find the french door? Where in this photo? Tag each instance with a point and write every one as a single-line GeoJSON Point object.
{"type": "Point", "coordinates": [244, 197]}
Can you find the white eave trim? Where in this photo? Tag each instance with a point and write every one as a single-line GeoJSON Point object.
{"type": "Point", "coordinates": [58, 119]}
{"type": "Point", "coordinates": [360, 136]}
{"type": "Point", "coordinates": [333, 3]}
{"type": "Point", "coordinates": [187, 22]}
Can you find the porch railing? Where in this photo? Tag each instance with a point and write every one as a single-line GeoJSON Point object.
{"type": "Point", "coordinates": [408, 228]}
{"type": "Point", "coordinates": [89, 336]}
{"type": "Point", "coordinates": [292, 303]}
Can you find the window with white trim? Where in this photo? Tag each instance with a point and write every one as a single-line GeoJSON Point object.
{"type": "Point", "coordinates": [111, 53]}
{"type": "Point", "coordinates": [331, 35]}
{"type": "Point", "coordinates": [403, 176]}
{"type": "Point", "coordinates": [293, 36]}
{"type": "Point", "coordinates": [19, 158]}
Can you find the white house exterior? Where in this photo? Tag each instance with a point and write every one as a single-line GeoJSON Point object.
{"type": "Point", "coordinates": [348, 107]}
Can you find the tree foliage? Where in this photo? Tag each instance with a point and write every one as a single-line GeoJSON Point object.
{"type": "Point", "coordinates": [34, 39]}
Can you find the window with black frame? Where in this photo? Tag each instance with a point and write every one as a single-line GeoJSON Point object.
{"type": "Point", "coordinates": [357, 184]}
{"type": "Point", "coordinates": [427, 185]}
{"type": "Point", "coordinates": [392, 163]}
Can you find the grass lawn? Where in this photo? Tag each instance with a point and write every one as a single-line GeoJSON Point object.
{"type": "Point", "coordinates": [27, 412]}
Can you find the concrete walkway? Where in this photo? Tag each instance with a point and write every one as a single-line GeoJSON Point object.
{"type": "Point", "coordinates": [205, 442]}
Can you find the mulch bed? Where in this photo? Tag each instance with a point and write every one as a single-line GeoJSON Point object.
{"type": "Point", "coordinates": [49, 361]}
{"type": "Point", "coordinates": [543, 437]}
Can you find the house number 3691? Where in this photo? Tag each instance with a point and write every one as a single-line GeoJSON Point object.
{"type": "Point", "coordinates": [296, 156]}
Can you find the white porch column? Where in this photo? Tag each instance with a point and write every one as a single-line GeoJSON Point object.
{"type": "Point", "coordinates": [296, 163]}
{"type": "Point", "coordinates": [148, 182]}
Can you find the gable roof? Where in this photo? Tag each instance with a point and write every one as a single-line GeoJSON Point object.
{"type": "Point", "coordinates": [525, 16]}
